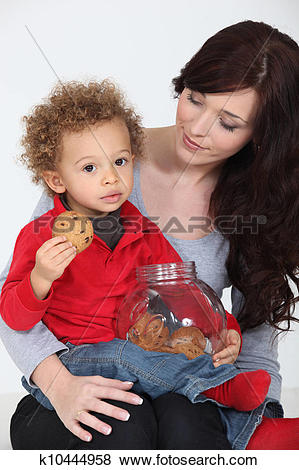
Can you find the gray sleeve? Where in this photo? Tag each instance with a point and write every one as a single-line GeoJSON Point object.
{"type": "Point", "coordinates": [259, 350]}
{"type": "Point", "coordinates": [29, 348]}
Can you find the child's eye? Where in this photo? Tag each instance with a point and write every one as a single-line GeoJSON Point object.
{"type": "Point", "coordinates": [89, 168]}
{"type": "Point", "coordinates": [119, 161]}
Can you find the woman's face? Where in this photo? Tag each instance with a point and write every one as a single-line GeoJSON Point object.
{"type": "Point", "coordinates": [212, 127]}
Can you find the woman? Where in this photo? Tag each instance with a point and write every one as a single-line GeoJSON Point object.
{"type": "Point", "coordinates": [229, 163]}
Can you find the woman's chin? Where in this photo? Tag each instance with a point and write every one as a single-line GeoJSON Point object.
{"type": "Point", "coordinates": [188, 157]}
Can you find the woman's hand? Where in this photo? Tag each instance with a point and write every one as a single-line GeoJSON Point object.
{"type": "Point", "coordinates": [228, 355]}
{"type": "Point", "coordinates": [74, 397]}
{"type": "Point", "coordinates": [79, 395]}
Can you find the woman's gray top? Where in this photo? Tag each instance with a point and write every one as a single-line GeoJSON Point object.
{"type": "Point", "coordinates": [259, 351]}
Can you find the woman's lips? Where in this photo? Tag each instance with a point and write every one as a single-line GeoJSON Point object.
{"type": "Point", "coordinates": [191, 144]}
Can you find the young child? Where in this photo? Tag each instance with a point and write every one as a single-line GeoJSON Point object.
{"type": "Point", "coordinates": [80, 143]}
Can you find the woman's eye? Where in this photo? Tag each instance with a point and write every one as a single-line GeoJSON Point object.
{"type": "Point", "coordinates": [120, 161]}
{"type": "Point", "coordinates": [227, 127]}
{"type": "Point", "coordinates": [193, 101]}
{"type": "Point", "coordinates": [89, 168]}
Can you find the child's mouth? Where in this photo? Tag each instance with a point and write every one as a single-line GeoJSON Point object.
{"type": "Point", "coordinates": [112, 197]}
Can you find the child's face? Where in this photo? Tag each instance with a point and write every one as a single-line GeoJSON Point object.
{"type": "Point", "coordinates": [94, 164]}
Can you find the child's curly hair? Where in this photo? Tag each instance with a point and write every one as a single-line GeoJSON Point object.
{"type": "Point", "coordinates": [73, 106]}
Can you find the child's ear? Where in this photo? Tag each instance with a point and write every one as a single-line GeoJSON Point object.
{"type": "Point", "coordinates": [53, 180]}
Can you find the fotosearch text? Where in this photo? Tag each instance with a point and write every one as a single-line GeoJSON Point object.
{"type": "Point", "coordinates": [227, 225]}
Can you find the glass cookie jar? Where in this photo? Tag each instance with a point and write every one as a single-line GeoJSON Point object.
{"type": "Point", "coordinates": [171, 310]}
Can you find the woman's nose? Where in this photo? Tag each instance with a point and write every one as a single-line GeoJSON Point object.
{"type": "Point", "coordinates": [201, 125]}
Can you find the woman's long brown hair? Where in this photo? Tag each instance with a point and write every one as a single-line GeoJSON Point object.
{"type": "Point", "coordinates": [259, 184]}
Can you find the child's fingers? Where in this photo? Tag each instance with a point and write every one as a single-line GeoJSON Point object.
{"type": "Point", "coordinates": [51, 242]}
{"type": "Point", "coordinates": [63, 257]}
{"type": "Point", "coordinates": [56, 250]}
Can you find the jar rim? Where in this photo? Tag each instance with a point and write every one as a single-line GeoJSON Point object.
{"type": "Point", "coordinates": [166, 271]}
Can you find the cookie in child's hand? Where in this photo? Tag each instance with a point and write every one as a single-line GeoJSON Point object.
{"type": "Point", "coordinates": [75, 227]}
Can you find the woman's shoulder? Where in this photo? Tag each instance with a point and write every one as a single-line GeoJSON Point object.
{"type": "Point", "coordinates": [152, 132]}
{"type": "Point", "coordinates": [44, 204]}
{"type": "Point", "coordinates": [40, 225]}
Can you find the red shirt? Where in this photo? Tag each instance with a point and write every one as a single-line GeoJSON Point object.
{"type": "Point", "coordinates": [83, 303]}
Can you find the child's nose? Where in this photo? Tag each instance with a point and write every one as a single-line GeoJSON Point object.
{"type": "Point", "coordinates": [110, 176]}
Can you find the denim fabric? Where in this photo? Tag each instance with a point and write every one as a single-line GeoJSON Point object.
{"type": "Point", "coordinates": [156, 373]}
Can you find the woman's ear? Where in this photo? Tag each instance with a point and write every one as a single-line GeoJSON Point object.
{"type": "Point", "coordinates": [53, 180]}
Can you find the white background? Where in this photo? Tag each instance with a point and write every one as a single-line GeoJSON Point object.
{"type": "Point", "coordinates": [140, 44]}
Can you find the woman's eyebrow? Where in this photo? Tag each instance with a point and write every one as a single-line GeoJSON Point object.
{"type": "Point", "coordinates": [227, 112]}
{"type": "Point", "coordinates": [234, 115]}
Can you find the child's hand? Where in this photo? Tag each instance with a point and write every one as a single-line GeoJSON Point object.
{"type": "Point", "coordinates": [50, 262]}
{"type": "Point", "coordinates": [229, 354]}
